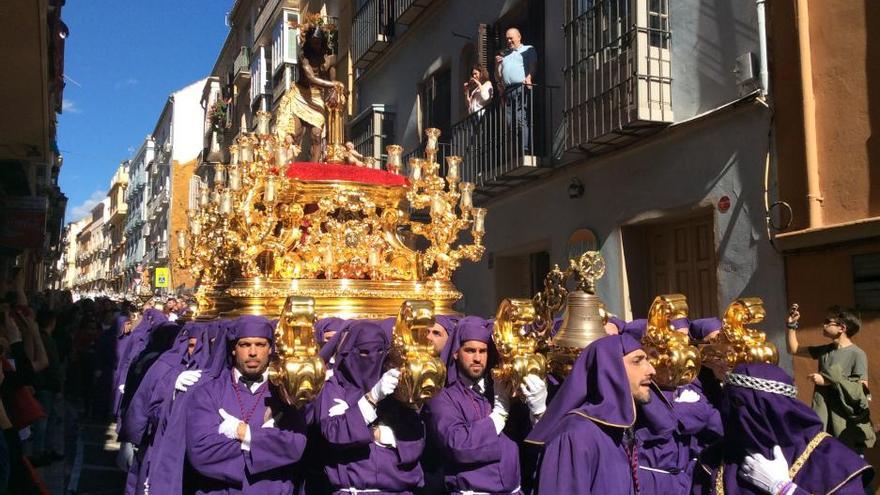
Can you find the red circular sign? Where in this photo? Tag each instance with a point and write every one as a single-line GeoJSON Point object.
{"type": "Point", "coordinates": [724, 204]}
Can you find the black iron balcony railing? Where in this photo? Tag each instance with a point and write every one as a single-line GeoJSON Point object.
{"type": "Point", "coordinates": [369, 32]}
{"type": "Point", "coordinates": [372, 130]}
{"type": "Point", "coordinates": [503, 144]}
{"type": "Point", "coordinates": [406, 11]}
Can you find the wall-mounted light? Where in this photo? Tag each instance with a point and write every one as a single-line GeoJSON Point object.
{"type": "Point", "coordinates": [575, 188]}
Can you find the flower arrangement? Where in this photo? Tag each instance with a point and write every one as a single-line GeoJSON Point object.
{"type": "Point", "coordinates": [217, 115]}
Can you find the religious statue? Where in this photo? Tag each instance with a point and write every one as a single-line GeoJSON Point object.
{"type": "Point", "coordinates": [316, 96]}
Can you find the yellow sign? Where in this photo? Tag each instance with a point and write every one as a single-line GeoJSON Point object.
{"type": "Point", "coordinates": [163, 277]}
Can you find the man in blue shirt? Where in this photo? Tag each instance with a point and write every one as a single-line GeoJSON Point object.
{"type": "Point", "coordinates": [515, 68]}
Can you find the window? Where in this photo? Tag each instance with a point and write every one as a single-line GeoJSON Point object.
{"type": "Point", "coordinates": [285, 40]}
{"type": "Point", "coordinates": [435, 97]}
{"type": "Point", "coordinates": [866, 278]}
{"type": "Point", "coordinates": [259, 74]}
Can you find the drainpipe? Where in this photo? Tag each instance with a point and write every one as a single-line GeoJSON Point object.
{"type": "Point", "coordinates": [762, 45]}
{"type": "Point", "coordinates": [814, 198]}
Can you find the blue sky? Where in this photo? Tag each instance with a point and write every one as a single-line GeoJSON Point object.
{"type": "Point", "coordinates": [122, 60]}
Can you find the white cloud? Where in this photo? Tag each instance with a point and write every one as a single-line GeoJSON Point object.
{"type": "Point", "coordinates": [68, 106]}
{"type": "Point", "coordinates": [85, 208]}
{"type": "Point", "coordinates": [125, 83]}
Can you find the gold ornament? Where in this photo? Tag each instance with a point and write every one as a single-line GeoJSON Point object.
{"type": "Point", "coordinates": [422, 374]}
{"type": "Point", "coordinates": [296, 369]}
{"type": "Point", "coordinates": [736, 343]}
{"type": "Point", "coordinates": [676, 362]}
{"type": "Point", "coordinates": [516, 347]}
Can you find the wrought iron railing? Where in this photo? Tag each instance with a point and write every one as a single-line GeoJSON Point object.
{"type": "Point", "coordinates": [501, 139]}
{"type": "Point", "coordinates": [369, 32]}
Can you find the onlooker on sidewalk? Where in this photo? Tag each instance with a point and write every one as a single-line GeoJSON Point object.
{"type": "Point", "coordinates": [841, 394]}
{"type": "Point", "coordinates": [48, 432]}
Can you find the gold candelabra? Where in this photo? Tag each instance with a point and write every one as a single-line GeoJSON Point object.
{"type": "Point", "coordinates": [736, 343]}
{"type": "Point", "coordinates": [517, 348]}
{"type": "Point", "coordinates": [422, 374]}
{"type": "Point", "coordinates": [257, 234]}
{"type": "Point", "coordinates": [676, 361]}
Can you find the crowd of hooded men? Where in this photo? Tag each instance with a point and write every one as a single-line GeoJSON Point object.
{"type": "Point", "coordinates": [194, 403]}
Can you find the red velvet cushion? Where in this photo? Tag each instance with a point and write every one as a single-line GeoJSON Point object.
{"type": "Point", "coordinates": [351, 173]}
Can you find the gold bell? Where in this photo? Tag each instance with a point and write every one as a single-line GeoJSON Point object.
{"type": "Point", "coordinates": [582, 323]}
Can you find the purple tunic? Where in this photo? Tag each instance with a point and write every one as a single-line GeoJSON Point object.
{"type": "Point", "coordinates": [760, 420]}
{"type": "Point", "coordinates": [220, 465]}
{"type": "Point", "coordinates": [475, 456]}
{"type": "Point", "coordinates": [586, 430]}
{"type": "Point", "coordinates": [145, 422]}
{"type": "Point", "coordinates": [128, 347]}
{"type": "Point", "coordinates": [354, 460]}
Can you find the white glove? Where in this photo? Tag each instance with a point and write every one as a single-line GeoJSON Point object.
{"type": "Point", "coordinates": [535, 393]}
{"type": "Point", "coordinates": [339, 408]}
{"type": "Point", "coordinates": [125, 456]}
{"type": "Point", "coordinates": [269, 424]}
{"type": "Point", "coordinates": [688, 396]}
{"type": "Point", "coordinates": [187, 379]}
{"type": "Point", "coordinates": [386, 385]}
{"type": "Point", "coordinates": [229, 426]}
{"type": "Point", "coordinates": [500, 409]}
{"type": "Point", "coordinates": [770, 475]}
{"type": "Point", "coordinates": [122, 389]}
{"type": "Point", "coordinates": [386, 436]}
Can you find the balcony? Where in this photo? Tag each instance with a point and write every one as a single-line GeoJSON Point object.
{"type": "Point", "coordinates": [118, 212]}
{"type": "Point", "coordinates": [618, 78]}
{"type": "Point", "coordinates": [370, 32]}
{"type": "Point", "coordinates": [406, 11]}
{"type": "Point", "coordinates": [241, 69]}
{"type": "Point", "coordinates": [503, 145]}
{"type": "Point", "coordinates": [371, 130]}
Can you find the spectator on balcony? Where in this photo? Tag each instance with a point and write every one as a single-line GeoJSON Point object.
{"type": "Point", "coordinates": [478, 90]}
{"type": "Point", "coordinates": [515, 68]}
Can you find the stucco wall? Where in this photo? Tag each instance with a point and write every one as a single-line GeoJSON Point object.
{"type": "Point", "coordinates": [684, 168]}
{"type": "Point", "coordinates": [820, 279]}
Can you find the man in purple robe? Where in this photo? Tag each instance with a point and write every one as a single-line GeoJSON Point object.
{"type": "Point", "coordinates": [170, 376]}
{"type": "Point", "coordinates": [240, 437]}
{"type": "Point", "coordinates": [128, 346]}
{"type": "Point", "coordinates": [374, 441]}
{"type": "Point", "coordinates": [587, 432]}
{"type": "Point", "coordinates": [468, 419]}
{"type": "Point", "coordinates": [671, 429]}
{"type": "Point", "coordinates": [775, 444]}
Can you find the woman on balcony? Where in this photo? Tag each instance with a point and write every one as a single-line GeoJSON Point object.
{"type": "Point", "coordinates": [478, 90]}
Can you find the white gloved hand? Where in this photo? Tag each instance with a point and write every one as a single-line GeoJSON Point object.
{"type": "Point", "coordinates": [269, 424]}
{"type": "Point", "coordinates": [122, 389]}
{"type": "Point", "coordinates": [187, 379]}
{"type": "Point", "coordinates": [125, 456]}
{"type": "Point", "coordinates": [386, 385]}
{"type": "Point", "coordinates": [229, 426]}
{"type": "Point", "coordinates": [338, 409]}
{"type": "Point", "coordinates": [386, 436]}
{"type": "Point", "coordinates": [688, 396]}
{"type": "Point", "coordinates": [502, 406]}
{"type": "Point", "coordinates": [534, 391]}
{"type": "Point", "coordinates": [770, 475]}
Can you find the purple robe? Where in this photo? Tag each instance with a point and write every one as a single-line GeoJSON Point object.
{"type": "Point", "coordinates": [354, 460]}
{"type": "Point", "coordinates": [586, 432]}
{"type": "Point", "coordinates": [475, 456]}
{"type": "Point", "coordinates": [219, 464]}
{"type": "Point", "coordinates": [128, 347]}
{"type": "Point", "coordinates": [145, 423]}
{"type": "Point", "coordinates": [756, 421]}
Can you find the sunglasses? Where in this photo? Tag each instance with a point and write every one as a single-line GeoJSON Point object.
{"type": "Point", "coordinates": [830, 322]}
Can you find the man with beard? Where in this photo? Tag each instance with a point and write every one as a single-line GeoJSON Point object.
{"type": "Point", "coordinates": [479, 454]}
{"type": "Point", "coordinates": [774, 444]}
{"type": "Point", "coordinates": [374, 441]}
{"type": "Point", "coordinates": [587, 432]}
{"type": "Point", "coordinates": [240, 437]}
{"type": "Point", "coordinates": [671, 429]}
